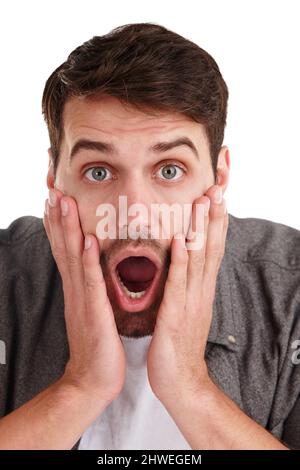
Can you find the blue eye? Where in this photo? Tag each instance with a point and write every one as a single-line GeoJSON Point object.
{"type": "Point", "coordinates": [170, 171]}
{"type": "Point", "coordinates": [97, 173]}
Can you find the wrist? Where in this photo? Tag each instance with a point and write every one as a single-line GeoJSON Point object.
{"type": "Point", "coordinates": [91, 400]}
{"type": "Point", "coordinates": [202, 392]}
{"type": "Point", "coordinates": [85, 385]}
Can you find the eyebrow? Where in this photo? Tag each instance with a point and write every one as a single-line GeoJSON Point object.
{"type": "Point", "coordinates": [110, 149]}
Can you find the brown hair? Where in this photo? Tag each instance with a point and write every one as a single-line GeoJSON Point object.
{"type": "Point", "coordinates": [147, 66]}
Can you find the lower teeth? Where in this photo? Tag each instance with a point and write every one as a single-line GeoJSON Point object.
{"type": "Point", "coordinates": [132, 295]}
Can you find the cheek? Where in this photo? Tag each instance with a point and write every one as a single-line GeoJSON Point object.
{"type": "Point", "coordinates": [87, 215]}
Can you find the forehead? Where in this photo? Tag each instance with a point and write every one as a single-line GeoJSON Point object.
{"type": "Point", "coordinates": [109, 115]}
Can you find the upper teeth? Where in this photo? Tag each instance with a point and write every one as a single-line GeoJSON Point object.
{"type": "Point", "coordinates": [132, 295]}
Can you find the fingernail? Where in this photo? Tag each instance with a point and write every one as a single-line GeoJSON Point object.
{"type": "Point", "coordinates": [87, 242]}
{"type": "Point", "coordinates": [64, 207]}
{"type": "Point", "coordinates": [52, 198]}
{"type": "Point", "coordinates": [181, 237]}
{"type": "Point", "coordinates": [217, 196]}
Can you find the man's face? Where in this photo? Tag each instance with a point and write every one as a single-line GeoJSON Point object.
{"type": "Point", "coordinates": [93, 177]}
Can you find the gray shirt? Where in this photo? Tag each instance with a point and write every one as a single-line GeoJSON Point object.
{"type": "Point", "coordinates": [251, 351]}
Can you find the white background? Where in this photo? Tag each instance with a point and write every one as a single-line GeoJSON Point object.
{"type": "Point", "coordinates": [256, 45]}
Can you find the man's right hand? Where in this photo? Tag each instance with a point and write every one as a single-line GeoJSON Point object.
{"type": "Point", "coordinates": [97, 363]}
{"type": "Point", "coordinates": [57, 417]}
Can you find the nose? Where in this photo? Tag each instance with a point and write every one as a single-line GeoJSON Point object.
{"type": "Point", "coordinates": [134, 206]}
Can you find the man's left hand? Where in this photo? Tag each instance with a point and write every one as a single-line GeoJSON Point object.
{"type": "Point", "coordinates": [175, 361]}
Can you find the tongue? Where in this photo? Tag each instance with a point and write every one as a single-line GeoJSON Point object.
{"type": "Point", "coordinates": [136, 272]}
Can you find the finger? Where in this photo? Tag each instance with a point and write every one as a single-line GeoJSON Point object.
{"type": "Point", "coordinates": [73, 238]}
{"type": "Point", "coordinates": [196, 251]}
{"type": "Point", "coordinates": [215, 238]}
{"type": "Point", "coordinates": [68, 246]}
{"type": "Point", "coordinates": [225, 227]}
{"type": "Point", "coordinates": [46, 221]}
{"type": "Point", "coordinates": [55, 230]}
{"type": "Point", "coordinates": [174, 298]}
{"type": "Point", "coordinates": [98, 308]}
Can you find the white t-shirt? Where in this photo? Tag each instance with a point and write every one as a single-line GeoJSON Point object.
{"type": "Point", "coordinates": [136, 419]}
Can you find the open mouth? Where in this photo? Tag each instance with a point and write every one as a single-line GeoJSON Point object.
{"type": "Point", "coordinates": [135, 278]}
{"type": "Point", "coordinates": [135, 274]}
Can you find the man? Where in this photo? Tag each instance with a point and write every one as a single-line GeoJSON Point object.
{"type": "Point", "coordinates": [135, 342]}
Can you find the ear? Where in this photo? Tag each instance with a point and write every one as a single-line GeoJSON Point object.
{"type": "Point", "coordinates": [223, 168]}
{"type": "Point", "coordinates": [50, 175]}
